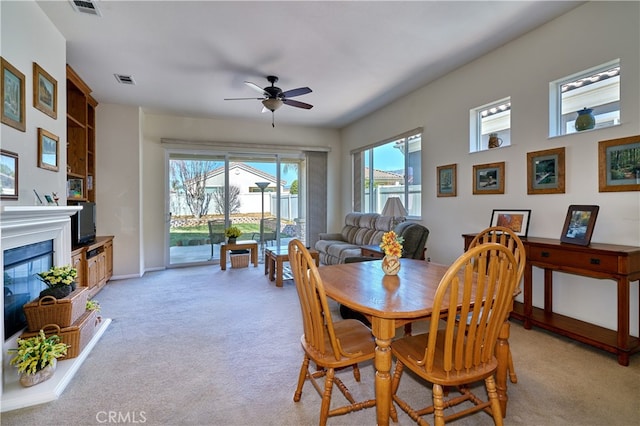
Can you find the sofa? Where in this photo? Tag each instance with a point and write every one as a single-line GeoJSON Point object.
{"type": "Point", "coordinates": [360, 229]}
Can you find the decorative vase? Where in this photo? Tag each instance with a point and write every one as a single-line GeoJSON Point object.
{"type": "Point", "coordinates": [39, 376]}
{"type": "Point", "coordinates": [391, 265]}
{"type": "Point", "coordinates": [585, 120]}
{"type": "Point", "coordinates": [232, 240]}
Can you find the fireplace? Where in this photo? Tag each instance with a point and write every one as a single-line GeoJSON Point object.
{"type": "Point", "coordinates": [21, 283]}
{"type": "Point", "coordinates": [45, 232]}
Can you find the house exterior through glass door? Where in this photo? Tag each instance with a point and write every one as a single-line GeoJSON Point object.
{"type": "Point", "coordinates": [257, 193]}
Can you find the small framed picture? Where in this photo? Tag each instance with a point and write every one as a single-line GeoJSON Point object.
{"type": "Point", "coordinates": [579, 224]}
{"type": "Point", "coordinates": [47, 150]}
{"type": "Point", "coordinates": [9, 175]}
{"type": "Point", "coordinates": [447, 180]}
{"type": "Point", "coordinates": [545, 171]}
{"type": "Point", "coordinates": [488, 178]}
{"type": "Point", "coordinates": [75, 188]}
{"type": "Point", "coordinates": [619, 164]}
{"type": "Point", "coordinates": [12, 87]}
{"type": "Point", "coordinates": [45, 92]}
{"type": "Point", "coordinates": [516, 220]}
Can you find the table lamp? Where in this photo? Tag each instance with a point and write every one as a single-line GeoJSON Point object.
{"type": "Point", "coordinates": [394, 208]}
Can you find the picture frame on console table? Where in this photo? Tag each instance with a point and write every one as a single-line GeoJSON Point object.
{"type": "Point", "coordinates": [579, 224]}
{"type": "Point", "coordinates": [619, 164]}
{"type": "Point", "coordinates": [516, 220]}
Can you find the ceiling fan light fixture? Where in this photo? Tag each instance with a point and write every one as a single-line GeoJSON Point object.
{"type": "Point", "coordinates": [272, 104]}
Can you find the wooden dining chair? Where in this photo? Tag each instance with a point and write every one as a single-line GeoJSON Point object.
{"type": "Point", "coordinates": [508, 238]}
{"type": "Point", "coordinates": [330, 345]}
{"type": "Point", "coordinates": [480, 283]}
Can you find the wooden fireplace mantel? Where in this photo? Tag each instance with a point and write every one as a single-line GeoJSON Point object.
{"type": "Point", "coordinates": [604, 261]}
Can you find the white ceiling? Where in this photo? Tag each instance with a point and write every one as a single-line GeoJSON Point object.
{"type": "Point", "coordinates": [356, 56]}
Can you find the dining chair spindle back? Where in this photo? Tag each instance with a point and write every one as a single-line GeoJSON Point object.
{"type": "Point", "coordinates": [508, 238]}
{"type": "Point", "coordinates": [479, 283]}
{"type": "Point", "coordinates": [330, 345]}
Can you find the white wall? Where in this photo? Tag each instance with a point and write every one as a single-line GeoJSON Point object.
{"type": "Point", "coordinates": [118, 185]}
{"type": "Point", "coordinates": [23, 44]}
{"type": "Point", "coordinates": [588, 36]}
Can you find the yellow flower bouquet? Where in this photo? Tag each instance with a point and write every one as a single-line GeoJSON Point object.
{"type": "Point", "coordinates": [391, 244]}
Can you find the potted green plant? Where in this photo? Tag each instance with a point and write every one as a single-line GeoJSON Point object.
{"type": "Point", "coordinates": [232, 233]}
{"type": "Point", "coordinates": [36, 357]}
{"type": "Point", "coordinates": [60, 281]}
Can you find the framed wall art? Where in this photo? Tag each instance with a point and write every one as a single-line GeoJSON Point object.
{"type": "Point", "coordinates": [12, 88]}
{"type": "Point", "coordinates": [579, 224]}
{"type": "Point", "coordinates": [488, 178]}
{"type": "Point", "coordinates": [75, 188]}
{"type": "Point", "coordinates": [619, 164]}
{"type": "Point", "coordinates": [45, 92]}
{"type": "Point", "coordinates": [447, 186]}
{"type": "Point", "coordinates": [516, 220]}
{"type": "Point", "coordinates": [47, 150]}
{"type": "Point", "coordinates": [9, 175]}
{"type": "Point", "coordinates": [545, 171]}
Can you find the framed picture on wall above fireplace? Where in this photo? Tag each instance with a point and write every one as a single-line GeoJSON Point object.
{"type": "Point", "coordinates": [47, 150]}
{"type": "Point", "coordinates": [9, 176]}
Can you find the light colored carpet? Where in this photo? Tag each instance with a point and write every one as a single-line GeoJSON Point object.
{"type": "Point", "coordinates": [201, 346]}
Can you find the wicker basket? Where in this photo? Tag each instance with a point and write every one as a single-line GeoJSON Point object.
{"type": "Point", "coordinates": [239, 260]}
{"type": "Point", "coordinates": [62, 312]}
{"type": "Point", "coordinates": [77, 336]}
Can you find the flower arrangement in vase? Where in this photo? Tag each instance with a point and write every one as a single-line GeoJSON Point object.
{"type": "Point", "coordinates": [60, 281]}
{"type": "Point", "coordinates": [232, 233]}
{"type": "Point", "coordinates": [36, 357]}
{"type": "Point", "coordinates": [391, 245]}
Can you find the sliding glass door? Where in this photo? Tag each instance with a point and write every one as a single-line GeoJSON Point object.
{"type": "Point", "coordinates": [258, 193]}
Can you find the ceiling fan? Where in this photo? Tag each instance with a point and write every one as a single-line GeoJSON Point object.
{"type": "Point", "coordinates": [273, 97]}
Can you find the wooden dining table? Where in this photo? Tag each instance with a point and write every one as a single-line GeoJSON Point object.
{"type": "Point", "coordinates": [391, 301]}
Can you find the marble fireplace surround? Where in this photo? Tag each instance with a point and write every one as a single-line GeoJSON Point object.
{"type": "Point", "coordinates": [19, 226]}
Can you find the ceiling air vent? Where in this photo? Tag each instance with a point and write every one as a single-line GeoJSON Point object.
{"type": "Point", "coordinates": [87, 6]}
{"type": "Point", "coordinates": [125, 79]}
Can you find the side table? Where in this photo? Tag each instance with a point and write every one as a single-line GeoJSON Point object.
{"type": "Point", "coordinates": [250, 245]}
{"type": "Point", "coordinates": [373, 251]}
{"type": "Point", "coordinates": [275, 257]}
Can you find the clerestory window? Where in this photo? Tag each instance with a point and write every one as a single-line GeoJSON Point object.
{"type": "Point", "coordinates": [594, 93]}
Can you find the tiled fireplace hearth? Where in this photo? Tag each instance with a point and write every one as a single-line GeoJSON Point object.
{"type": "Point", "coordinates": [21, 226]}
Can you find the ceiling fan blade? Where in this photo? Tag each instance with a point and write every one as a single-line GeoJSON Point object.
{"type": "Point", "coordinates": [256, 88]}
{"type": "Point", "coordinates": [242, 99]}
{"type": "Point", "coordinates": [296, 92]}
{"type": "Point", "coordinates": [297, 104]}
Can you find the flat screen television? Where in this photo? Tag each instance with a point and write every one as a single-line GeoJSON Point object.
{"type": "Point", "coordinates": [83, 224]}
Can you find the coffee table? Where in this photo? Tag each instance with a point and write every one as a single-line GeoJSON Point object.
{"type": "Point", "coordinates": [250, 245]}
{"type": "Point", "coordinates": [274, 258]}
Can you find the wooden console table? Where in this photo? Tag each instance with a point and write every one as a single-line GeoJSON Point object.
{"type": "Point", "coordinates": [603, 261]}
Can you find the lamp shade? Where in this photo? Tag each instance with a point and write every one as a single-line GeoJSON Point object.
{"type": "Point", "coordinates": [262, 185]}
{"type": "Point", "coordinates": [394, 208]}
{"type": "Point", "coordinates": [272, 104]}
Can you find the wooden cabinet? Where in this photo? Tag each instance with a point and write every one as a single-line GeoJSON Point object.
{"type": "Point", "coordinates": [94, 263]}
{"type": "Point", "coordinates": [81, 139]}
{"type": "Point", "coordinates": [603, 261]}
